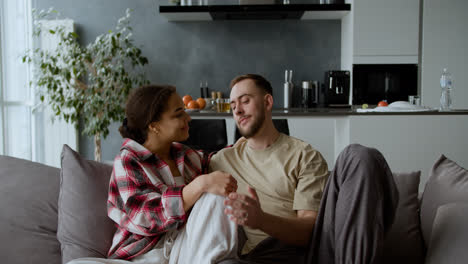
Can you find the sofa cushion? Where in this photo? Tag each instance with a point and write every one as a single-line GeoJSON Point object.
{"type": "Point", "coordinates": [28, 200]}
{"type": "Point", "coordinates": [403, 243]}
{"type": "Point", "coordinates": [449, 237]}
{"type": "Point", "coordinates": [448, 183]}
{"type": "Point", "coordinates": [84, 230]}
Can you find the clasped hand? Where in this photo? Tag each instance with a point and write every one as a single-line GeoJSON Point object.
{"type": "Point", "coordinates": [220, 183]}
{"type": "Point", "coordinates": [244, 209]}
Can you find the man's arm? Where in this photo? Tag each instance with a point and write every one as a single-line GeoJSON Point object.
{"type": "Point", "coordinates": [295, 231]}
{"type": "Point", "coordinates": [246, 210]}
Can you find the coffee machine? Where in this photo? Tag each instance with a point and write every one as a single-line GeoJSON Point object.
{"type": "Point", "coordinates": [337, 88]}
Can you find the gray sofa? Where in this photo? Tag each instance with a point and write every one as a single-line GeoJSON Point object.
{"type": "Point", "coordinates": [50, 215]}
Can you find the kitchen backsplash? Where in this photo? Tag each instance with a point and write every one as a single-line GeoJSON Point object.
{"type": "Point", "coordinates": [184, 53]}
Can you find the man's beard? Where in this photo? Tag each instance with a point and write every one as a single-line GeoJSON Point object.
{"type": "Point", "coordinates": [255, 127]}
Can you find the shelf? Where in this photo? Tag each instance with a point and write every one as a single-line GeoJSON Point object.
{"type": "Point", "coordinates": [255, 12]}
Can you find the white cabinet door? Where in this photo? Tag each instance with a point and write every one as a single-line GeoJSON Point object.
{"type": "Point", "coordinates": [413, 142]}
{"type": "Point", "coordinates": [445, 45]}
{"type": "Point", "coordinates": [319, 132]}
{"type": "Point", "coordinates": [386, 31]}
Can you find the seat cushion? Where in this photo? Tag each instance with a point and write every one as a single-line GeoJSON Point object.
{"type": "Point", "coordinates": [403, 243]}
{"type": "Point", "coordinates": [28, 200]}
{"type": "Point", "coordinates": [448, 183]}
{"type": "Point", "coordinates": [449, 237]}
{"type": "Point", "coordinates": [84, 230]}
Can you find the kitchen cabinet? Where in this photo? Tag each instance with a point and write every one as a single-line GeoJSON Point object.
{"type": "Point", "coordinates": [413, 142]}
{"type": "Point", "coordinates": [385, 31]}
{"type": "Point", "coordinates": [409, 142]}
{"type": "Point", "coordinates": [444, 45]}
{"type": "Point", "coordinates": [319, 132]}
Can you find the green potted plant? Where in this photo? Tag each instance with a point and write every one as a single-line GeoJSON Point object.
{"type": "Point", "coordinates": [89, 83]}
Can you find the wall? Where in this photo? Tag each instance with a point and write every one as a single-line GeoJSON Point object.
{"type": "Point", "coordinates": [182, 54]}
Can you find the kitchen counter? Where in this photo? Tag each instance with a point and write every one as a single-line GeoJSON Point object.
{"type": "Point", "coordinates": [408, 140]}
{"type": "Point", "coordinates": [297, 112]}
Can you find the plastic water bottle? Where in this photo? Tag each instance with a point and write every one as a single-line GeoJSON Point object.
{"type": "Point", "coordinates": [446, 85]}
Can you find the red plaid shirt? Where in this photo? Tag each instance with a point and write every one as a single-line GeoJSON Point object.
{"type": "Point", "coordinates": [144, 200]}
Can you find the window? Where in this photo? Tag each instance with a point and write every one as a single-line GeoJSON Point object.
{"type": "Point", "coordinates": [26, 130]}
{"type": "Point", "coordinates": [17, 121]}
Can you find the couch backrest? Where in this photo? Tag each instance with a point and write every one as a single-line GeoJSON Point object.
{"type": "Point", "coordinates": [28, 220]}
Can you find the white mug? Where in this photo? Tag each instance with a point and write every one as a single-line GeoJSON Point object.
{"type": "Point", "coordinates": [414, 99]}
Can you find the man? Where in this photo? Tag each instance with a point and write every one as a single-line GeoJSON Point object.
{"type": "Point", "coordinates": [281, 180]}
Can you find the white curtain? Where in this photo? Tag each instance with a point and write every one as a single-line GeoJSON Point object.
{"type": "Point", "coordinates": [26, 130]}
{"type": "Point", "coordinates": [17, 98]}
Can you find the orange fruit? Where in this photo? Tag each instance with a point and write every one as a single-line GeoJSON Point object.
{"type": "Point", "coordinates": [382, 103]}
{"type": "Point", "coordinates": [187, 98]}
{"type": "Point", "coordinates": [193, 105]}
{"type": "Point", "coordinates": [201, 102]}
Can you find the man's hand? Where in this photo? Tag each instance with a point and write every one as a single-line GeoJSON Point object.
{"type": "Point", "coordinates": [243, 209]}
{"type": "Point", "coordinates": [246, 210]}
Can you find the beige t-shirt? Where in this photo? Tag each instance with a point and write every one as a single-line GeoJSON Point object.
{"type": "Point", "coordinates": [288, 176]}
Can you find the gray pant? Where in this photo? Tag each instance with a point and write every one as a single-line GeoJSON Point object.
{"type": "Point", "coordinates": [356, 211]}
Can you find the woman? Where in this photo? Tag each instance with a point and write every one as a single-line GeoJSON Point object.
{"type": "Point", "coordinates": [156, 182]}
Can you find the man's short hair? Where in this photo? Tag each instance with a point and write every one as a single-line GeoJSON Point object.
{"type": "Point", "coordinates": [259, 81]}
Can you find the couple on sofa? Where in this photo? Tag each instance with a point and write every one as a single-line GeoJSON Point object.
{"type": "Point", "coordinates": [267, 199]}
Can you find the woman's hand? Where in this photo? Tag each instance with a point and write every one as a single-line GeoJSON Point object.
{"type": "Point", "coordinates": [219, 182]}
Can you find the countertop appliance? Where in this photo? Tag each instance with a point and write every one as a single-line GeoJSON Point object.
{"type": "Point", "coordinates": [337, 88]}
{"type": "Point", "coordinates": [310, 90]}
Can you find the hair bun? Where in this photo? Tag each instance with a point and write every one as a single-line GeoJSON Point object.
{"type": "Point", "coordinates": [127, 132]}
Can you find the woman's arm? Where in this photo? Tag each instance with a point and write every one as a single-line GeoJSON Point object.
{"type": "Point", "coordinates": [140, 205]}
{"type": "Point", "coordinates": [146, 207]}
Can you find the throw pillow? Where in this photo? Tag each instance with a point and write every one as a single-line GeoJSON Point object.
{"type": "Point", "coordinates": [449, 237]}
{"type": "Point", "coordinates": [84, 230]}
{"type": "Point", "coordinates": [403, 243]}
{"type": "Point", "coordinates": [448, 183]}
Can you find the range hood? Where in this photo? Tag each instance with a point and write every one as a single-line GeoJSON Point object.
{"type": "Point", "coordinates": [254, 12]}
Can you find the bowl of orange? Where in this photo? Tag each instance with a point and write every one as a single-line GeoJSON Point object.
{"type": "Point", "coordinates": [193, 105]}
{"type": "Point", "coordinates": [190, 104]}
{"type": "Point", "coordinates": [187, 98]}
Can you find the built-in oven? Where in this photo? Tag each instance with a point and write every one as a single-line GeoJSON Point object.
{"type": "Point", "coordinates": [376, 82]}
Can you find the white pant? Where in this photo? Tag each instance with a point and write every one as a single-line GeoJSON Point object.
{"type": "Point", "coordinates": [208, 237]}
